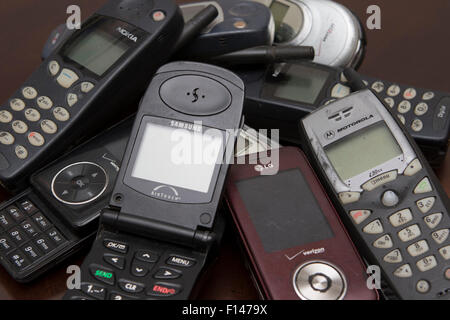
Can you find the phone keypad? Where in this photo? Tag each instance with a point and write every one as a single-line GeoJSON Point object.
{"type": "Point", "coordinates": [414, 239]}
{"type": "Point", "coordinates": [26, 235]}
{"type": "Point", "coordinates": [142, 268]}
{"type": "Point", "coordinates": [37, 115]}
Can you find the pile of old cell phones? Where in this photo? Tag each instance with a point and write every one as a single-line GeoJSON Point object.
{"type": "Point", "coordinates": [309, 222]}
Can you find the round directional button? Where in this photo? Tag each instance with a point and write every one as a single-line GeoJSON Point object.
{"type": "Point", "coordinates": [319, 281]}
{"type": "Point", "coordinates": [79, 183]}
{"type": "Point", "coordinates": [390, 199]}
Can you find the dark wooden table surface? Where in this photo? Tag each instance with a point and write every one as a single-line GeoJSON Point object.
{"type": "Point", "coordinates": [411, 48]}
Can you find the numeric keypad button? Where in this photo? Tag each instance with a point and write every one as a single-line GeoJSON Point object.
{"type": "Point", "coordinates": [418, 248]}
{"type": "Point", "coordinates": [402, 119]}
{"type": "Point", "coordinates": [424, 186]}
{"type": "Point", "coordinates": [43, 244]}
{"type": "Point", "coordinates": [31, 252]}
{"type": "Point", "coordinates": [401, 217]}
{"type": "Point", "coordinates": [5, 245]}
{"type": "Point", "coordinates": [21, 152]}
{"type": "Point", "coordinates": [6, 221]}
{"type": "Point", "coordinates": [86, 87]}
{"type": "Point", "coordinates": [48, 126]}
{"type": "Point", "coordinates": [61, 114]}
{"type": "Point", "coordinates": [426, 263]}
{"type": "Point", "coordinates": [5, 116]}
{"type": "Point", "coordinates": [17, 104]}
{"type": "Point", "coordinates": [394, 256]}
{"type": "Point", "coordinates": [385, 242]}
{"type": "Point", "coordinates": [425, 205]}
{"type": "Point", "coordinates": [44, 103]}
{"type": "Point", "coordinates": [440, 236]}
{"type": "Point", "coordinates": [18, 260]}
{"type": "Point", "coordinates": [410, 93]}
{"type": "Point", "coordinates": [378, 86]}
{"type": "Point", "coordinates": [390, 102]}
{"type": "Point", "coordinates": [29, 93]}
{"type": "Point", "coordinates": [94, 290]}
{"type": "Point", "coordinates": [421, 109]}
{"type": "Point", "coordinates": [53, 67]}
{"type": "Point", "coordinates": [27, 206]}
{"type": "Point", "coordinates": [41, 221]}
{"type": "Point", "coordinates": [360, 215]}
{"type": "Point", "coordinates": [36, 139]}
{"type": "Point", "coordinates": [55, 236]}
{"type": "Point", "coordinates": [409, 233]}
{"type": "Point", "coordinates": [19, 127]}
{"type": "Point", "coordinates": [17, 235]}
{"type": "Point", "coordinates": [6, 138]}
{"type": "Point", "coordinates": [29, 227]}
{"type": "Point", "coordinates": [72, 99]}
{"type": "Point", "coordinates": [404, 271]}
{"type": "Point", "coordinates": [445, 252]}
{"type": "Point", "coordinates": [32, 115]}
{"type": "Point", "coordinates": [417, 125]}
{"type": "Point", "coordinates": [15, 213]}
{"type": "Point", "coordinates": [433, 220]}
{"type": "Point", "coordinates": [393, 90]}
{"type": "Point", "coordinates": [404, 107]}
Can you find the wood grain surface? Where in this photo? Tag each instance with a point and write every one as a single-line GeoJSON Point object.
{"type": "Point", "coordinates": [411, 48]}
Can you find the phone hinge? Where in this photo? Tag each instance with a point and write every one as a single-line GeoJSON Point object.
{"type": "Point", "coordinates": [157, 230]}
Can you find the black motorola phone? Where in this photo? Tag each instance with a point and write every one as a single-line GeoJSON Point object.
{"type": "Point", "coordinates": [278, 96]}
{"type": "Point", "coordinates": [382, 186]}
{"type": "Point", "coordinates": [163, 219]}
{"type": "Point", "coordinates": [57, 214]}
{"type": "Point", "coordinates": [84, 84]}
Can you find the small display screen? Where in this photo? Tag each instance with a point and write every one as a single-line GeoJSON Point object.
{"type": "Point", "coordinates": [178, 157]}
{"type": "Point", "coordinates": [100, 45]}
{"type": "Point", "coordinates": [363, 150]}
{"type": "Point", "coordinates": [301, 84]}
{"type": "Point", "coordinates": [279, 12]}
{"type": "Point", "coordinates": [284, 211]}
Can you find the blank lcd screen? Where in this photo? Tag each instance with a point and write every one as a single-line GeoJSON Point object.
{"type": "Point", "coordinates": [283, 210]}
{"type": "Point", "coordinates": [178, 157]}
{"type": "Point", "coordinates": [99, 47]}
{"type": "Point", "coordinates": [363, 150]}
{"type": "Point", "coordinates": [300, 84]}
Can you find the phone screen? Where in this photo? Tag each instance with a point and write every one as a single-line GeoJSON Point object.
{"type": "Point", "coordinates": [283, 210]}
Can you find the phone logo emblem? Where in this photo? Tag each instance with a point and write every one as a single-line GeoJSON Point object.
{"type": "Point", "coordinates": [195, 95]}
{"type": "Point", "coordinates": [330, 135]}
{"type": "Point", "coordinates": [166, 193]}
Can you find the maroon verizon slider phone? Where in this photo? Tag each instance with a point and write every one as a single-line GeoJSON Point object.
{"type": "Point", "coordinates": [296, 245]}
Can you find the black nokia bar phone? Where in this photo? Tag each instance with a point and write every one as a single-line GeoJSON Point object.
{"type": "Point", "coordinates": [85, 84]}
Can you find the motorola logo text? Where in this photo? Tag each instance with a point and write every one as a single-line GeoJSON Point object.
{"type": "Point", "coordinates": [355, 123]}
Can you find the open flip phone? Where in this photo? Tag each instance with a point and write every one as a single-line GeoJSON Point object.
{"type": "Point", "coordinates": [294, 241]}
{"type": "Point", "coordinates": [386, 193]}
{"type": "Point", "coordinates": [239, 25]}
{"type": "Point", "coordinates": [279, 95]}
{"type": "Point", "coordinates": [85, 82]}
{"type": "Point", "coordinates": [162, 223]}
{"type": "Point", "coordinates": [333, 30]}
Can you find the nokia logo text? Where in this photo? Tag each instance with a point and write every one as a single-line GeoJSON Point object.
{"type": "Point", "coordinates": [127, 34]}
